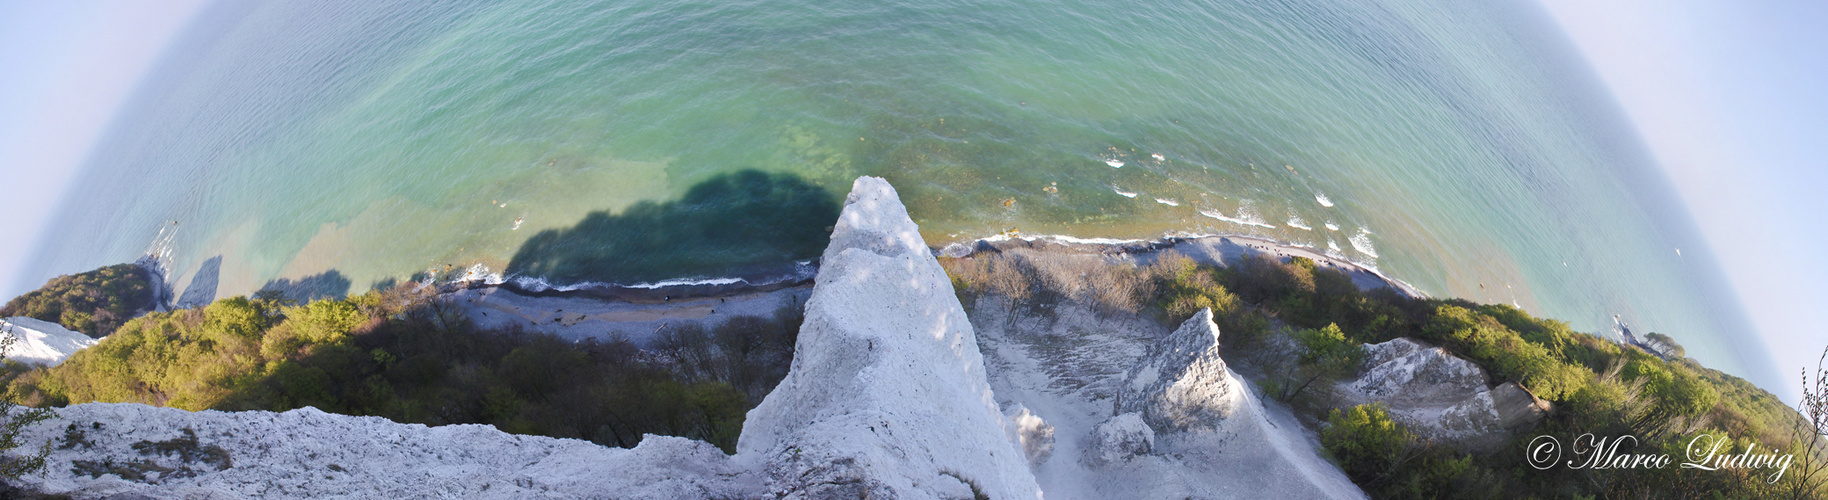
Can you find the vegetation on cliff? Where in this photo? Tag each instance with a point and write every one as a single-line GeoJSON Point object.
{"type": "Point", "coordinates": [1597, 385]}
{"type": "Point", "coordinates": [94, 303]}
{"type": "Point", "coordinates": [415, 358]}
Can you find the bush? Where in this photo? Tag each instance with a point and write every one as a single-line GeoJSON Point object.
{"type": "Point", "coordinates": [1502, 351]}
{"type": "Point", "coordinates": [1326, 355]}
{"type": "Point", "coordinates": [1389, 461]}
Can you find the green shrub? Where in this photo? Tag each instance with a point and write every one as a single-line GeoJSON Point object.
{"type": "Point", "coordinates": [1326, 355]}
{"type": "Point", "coordinates": [1390, 461]}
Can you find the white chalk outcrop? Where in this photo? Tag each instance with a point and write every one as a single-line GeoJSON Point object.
{"type": "Point", "coordinates": [1439, 395]}
{"type": "Point", "coordinates": [1071, 362]}
{"type": "Point", "coordinates": [1182, 384]}
{"type": "Point", "coordinates": [42, 342]}
{"type": "Point", "coordinates": [887, 395]}
{"type": "Point", "coordinates": [106, 450]}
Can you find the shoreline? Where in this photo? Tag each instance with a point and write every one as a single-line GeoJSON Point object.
{"type": "Point", "coordinates": [1216, 249]}
{"type": "Point", "coordinates": [636, 312]}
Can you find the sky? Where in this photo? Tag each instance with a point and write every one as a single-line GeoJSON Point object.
{"type": "Point", "coordinates": [1732, 98]}
{"type": "Point", "coordinates": [69, 65]}
{"type": "Point", "coordinates": [1728, 94]}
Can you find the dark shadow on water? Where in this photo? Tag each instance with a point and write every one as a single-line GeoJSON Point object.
{"type": "Point", "coordinates": [326, 285]}
{"type": "Point", "coordinates": [384, 284]}
{"type": "Point", "coordinates": [202, 288]}
{"type": "Point", "coordinates": [727, 224]}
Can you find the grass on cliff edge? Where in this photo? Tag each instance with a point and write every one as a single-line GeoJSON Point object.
{"type": "Point", "coordinates": [1596, 385]}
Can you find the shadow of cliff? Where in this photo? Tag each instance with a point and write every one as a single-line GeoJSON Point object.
{"type": "Point", "coordinates": [326, 285]}
{"type": "Point", "coordinates": [202, 288]}
{"type": "Point", "coordinates": [723, 225]}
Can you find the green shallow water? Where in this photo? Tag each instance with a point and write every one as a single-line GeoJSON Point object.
{"type": "Point", "coordinates": [1463, 148]}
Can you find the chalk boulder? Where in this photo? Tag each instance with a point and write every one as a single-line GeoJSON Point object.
{"type": "Point", "coordinates": [1118, 439]}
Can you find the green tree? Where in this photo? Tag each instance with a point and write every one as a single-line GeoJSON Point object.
{"type": "Point", "coordinates": [1326, 355]}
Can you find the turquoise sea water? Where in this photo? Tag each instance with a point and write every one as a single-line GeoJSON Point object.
{"type": "Point", "coordinates": [1459, 146]}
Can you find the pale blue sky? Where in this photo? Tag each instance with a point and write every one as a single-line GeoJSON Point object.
{"type": "Point", "coordinates": [68, 66]}
{"type": "Point", "coordinates": [1729, 94]}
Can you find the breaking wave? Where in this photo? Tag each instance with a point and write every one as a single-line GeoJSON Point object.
{"type": "Point", "coordinates": [1362, 242]}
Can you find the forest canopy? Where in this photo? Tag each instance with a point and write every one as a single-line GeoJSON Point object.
{"type": "Point", "coordinates": [94, 303]}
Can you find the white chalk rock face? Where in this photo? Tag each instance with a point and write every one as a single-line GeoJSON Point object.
{"type": "Point", "coordinates": [1182, 384]}
{"type": "Point", "coordinates": [1118, 439]}
{"type": "Point", "coordinates": [1441, 396]}
{"type": "Point", "coordinates": [42, 342]}
{"type": "Point", "coordinates": [887, 396]}
{"type": "Point", "coordinates": [1403, 369]}
{"type": "Point", "coordinates": [124, 450]}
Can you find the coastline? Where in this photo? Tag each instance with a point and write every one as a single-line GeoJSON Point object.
{"type": "Point", "coordinates": [1216, 249]}
{"type": "Point", "coordinates": [595, 311]}
{"type": "Point", "coordinates": [602, 311]}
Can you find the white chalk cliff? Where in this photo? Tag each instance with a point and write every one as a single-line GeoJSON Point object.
{"type": "Point", "coordinates": [887, 395]}
{"type": "Point", "coordinates": [42, 342]}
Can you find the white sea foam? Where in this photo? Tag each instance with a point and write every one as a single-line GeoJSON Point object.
{"type": "Point", "coordinates": [1247, 211]}
{"type": "Point", "coordinates": [1333, 246]}
{"type": "Point", "coordinates": [480, 273]}
{"type": "Point", "coordinates": [1168, 202]}
{"type": "Point", "coordinates": [1114, 163]}
{"type": "Point", "coordinates": [1121, 192]}
{"type": "Point", "coordinates": [1239, 220]}
{"type": "Point", "coordinates": [1331, 226]}
{"type": "Point", "coordinates": [1061, 239]}
{"type": "Point", "coordinates": [688, 282]}
{"type": "Point", "coordinates": [1322, 198]}
{"type": "Point", "coordinates": [1362, 243]}
{"type": "Point", "coordinates": [1294, 221]}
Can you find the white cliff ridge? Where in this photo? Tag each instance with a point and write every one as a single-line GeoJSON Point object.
{"type": "Point", "coordinates": [887, 396]}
